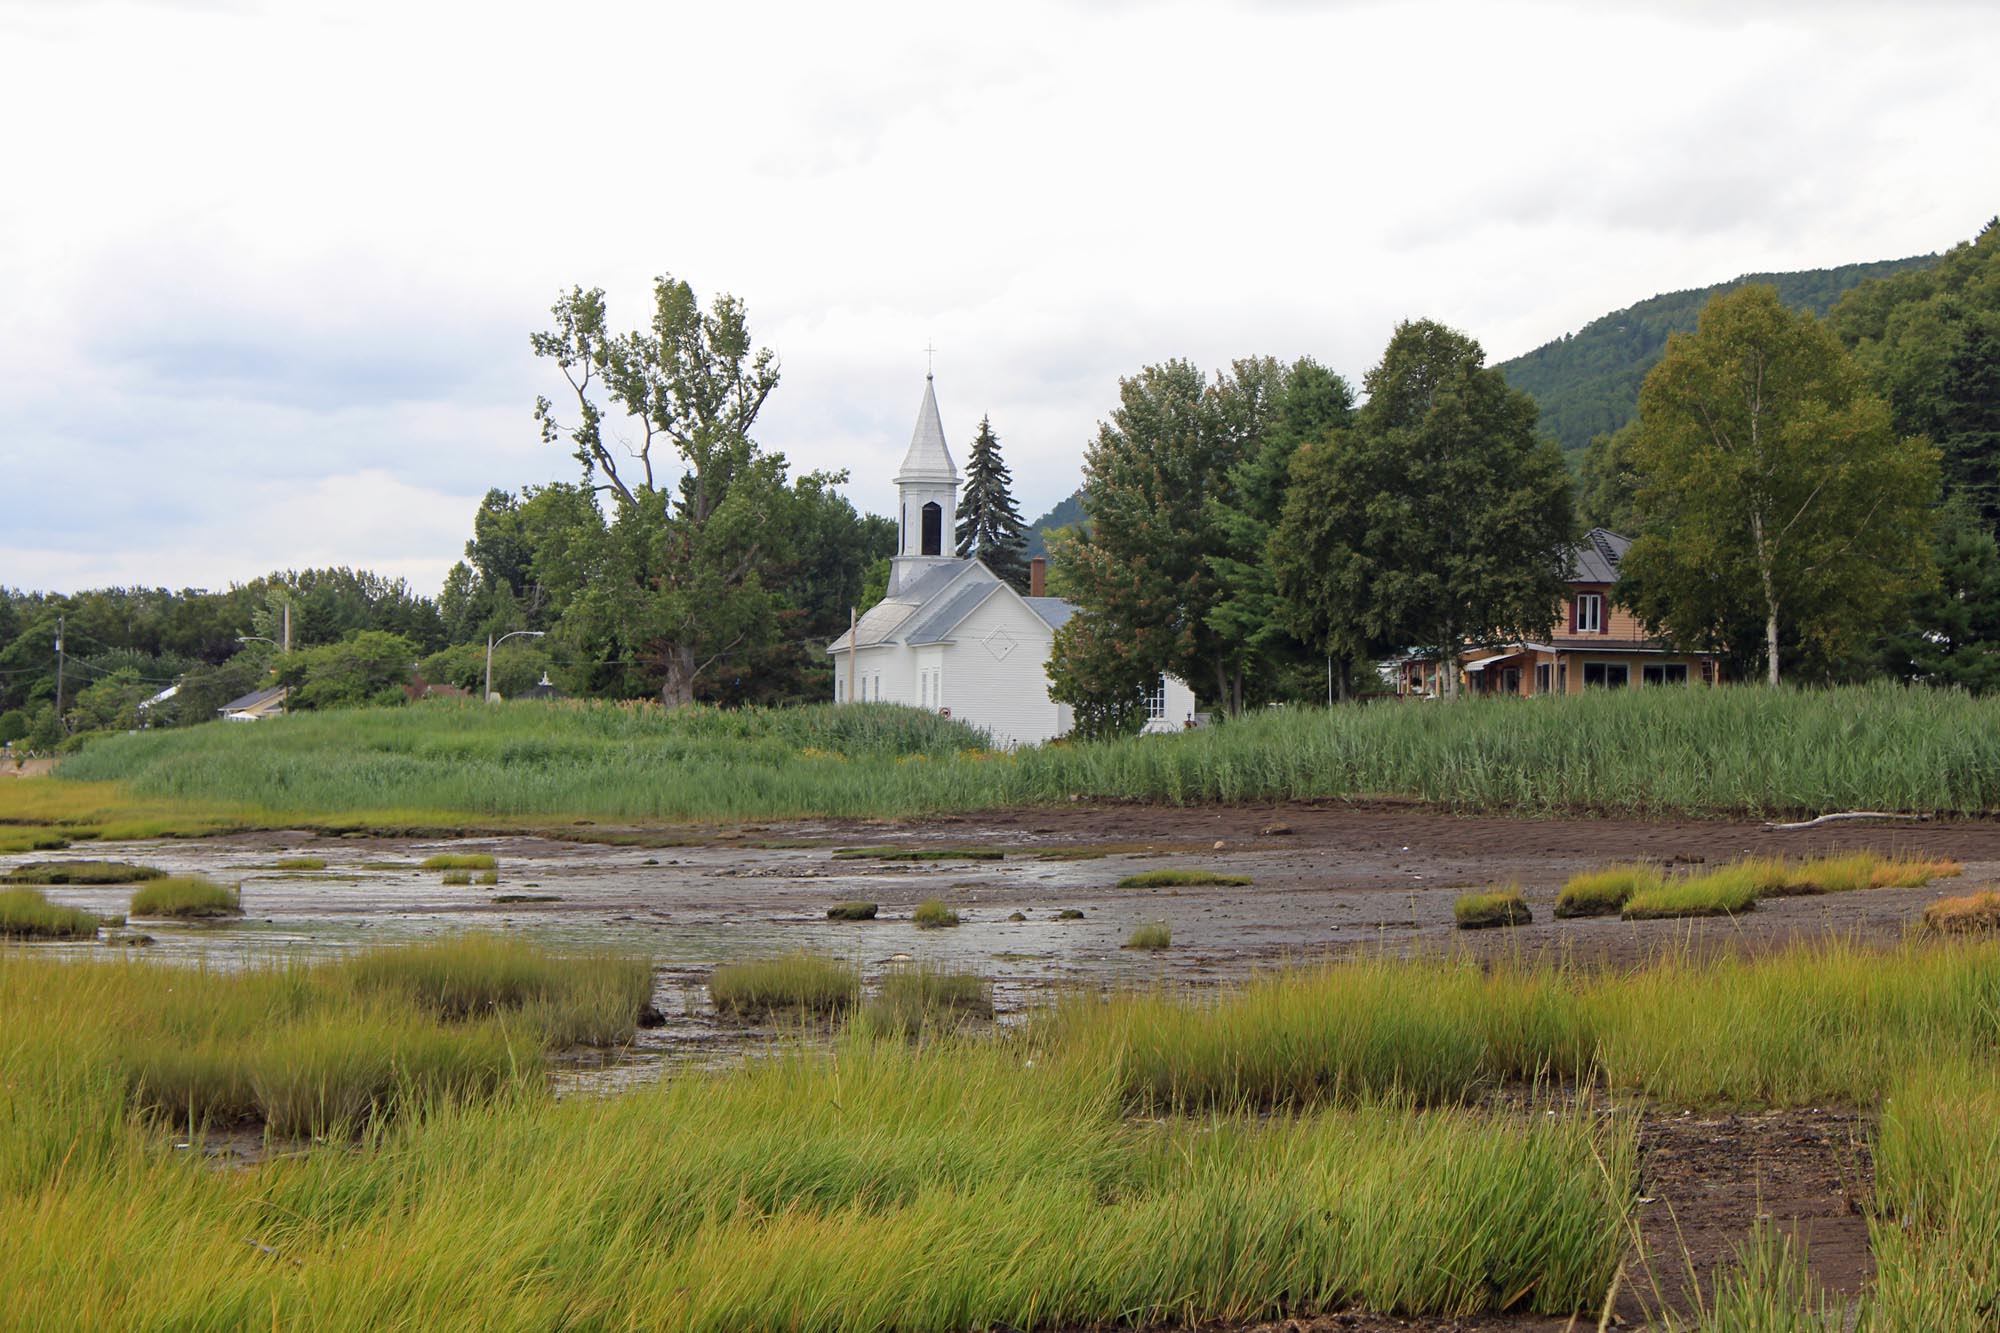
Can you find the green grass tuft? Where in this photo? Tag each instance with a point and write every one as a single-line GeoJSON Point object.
{"type": "Point", "coordinates": [1495, 907]}
{"type": "Point", "coordinates": [1605, 892]}
{"type": "Point", "coordinates": [1070, 914]}
{"type": "Point", "coordinates": [581, 1000]}
{"type": "Point", "coordinates": [852, 911]}
{"type": "Point", "coordinates": [798, 983]}
{"type": "Point", "coordinates": [911, 1001]}
{"type": "Point", "coordinates": [459, 861]}
{"type": "Point", "coordinates": [26, 914]}
{"type": "Point", "coordinates": [301, 863]}
{"type": "Point", "coordinates": [186, 897]}
{"type": "Point", "coordinates": [933, 914]}
{"type": "Point", "coordinates": [455, 878]}
{"type": "Point", "coordinates": [1152, 935]}
{"type": "Point", "coordinates": [487, 878]}
{"type": "Point", "coordinates": [81, 872]}
{"type": "Point", "coordinates": [1165, 879]}
{"type": "Point", "coordinates": [1726, 891]}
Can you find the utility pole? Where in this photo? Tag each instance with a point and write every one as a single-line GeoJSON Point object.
{"type": "Point", "coordinates": [850, 654]}
{"type": "Point", "coordinates": [59, 674]}
{"type": "Point", "coordinates": [288, 626]}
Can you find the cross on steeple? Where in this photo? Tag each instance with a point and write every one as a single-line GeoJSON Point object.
{"type": "Point", "coordinates": [929, 352]}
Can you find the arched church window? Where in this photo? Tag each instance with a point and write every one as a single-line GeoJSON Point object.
{"type": "Point", "coordinates": [933, 528]}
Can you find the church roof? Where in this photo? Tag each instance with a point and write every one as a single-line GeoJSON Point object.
{"type": "Point", "coordinates": [1055, 610]}
{"type": "Point", "coordinates": [884, 621]}
{"type": "Point", "coordinates": [939, 621]}
{"type": "Point", "coordinates": [928, 459]}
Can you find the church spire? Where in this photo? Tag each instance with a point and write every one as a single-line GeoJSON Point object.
{"type": "Point", "coordinates": [928, 460]}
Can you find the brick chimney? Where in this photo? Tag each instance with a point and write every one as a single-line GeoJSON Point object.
{"type": "Point", "coordinates": [1038, 577]}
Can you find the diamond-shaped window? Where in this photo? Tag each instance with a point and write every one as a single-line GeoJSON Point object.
{"type": "Point", "coordinates": [1000, 643]}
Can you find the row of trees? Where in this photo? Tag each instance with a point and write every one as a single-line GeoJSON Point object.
{"type": "Point", "coordinates": [1809, 498]}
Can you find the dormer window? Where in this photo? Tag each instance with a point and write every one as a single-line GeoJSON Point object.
{"type": "Point", "coordinates": [1589, 613]}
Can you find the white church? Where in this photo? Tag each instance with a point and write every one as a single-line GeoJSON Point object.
{"type": "Point", "coordinates": [954, 638]}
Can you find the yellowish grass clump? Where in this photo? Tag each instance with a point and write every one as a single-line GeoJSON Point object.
{"type": "Point", "coordinates": [187, 897]}
{"type": "Point", "coordinates": [1495, 907]}
{"type": "Point", "coordinates": [798, 983]}
{"type": "Point", "coordinates": [1605, 892]}
{"type": "Point", "coordinates": [1975, 912]}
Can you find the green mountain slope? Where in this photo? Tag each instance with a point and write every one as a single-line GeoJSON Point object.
{"type": "Point", "coordinates": [1587, 383]}
{"type": "Point", "coordinates": [1067, 513]}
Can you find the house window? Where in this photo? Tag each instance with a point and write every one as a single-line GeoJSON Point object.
{"type": "Point", "coordinates": [1544, 678]}
{"type": "Point", "coordinates": [933, 528]}
{"type": "Point", "coordinates": [1666, 673]}
{"type": "Point", "coordinates": [1589, 613]}
{"type": "Point", "coordinates": [1156, 701]}
{"type": "Point", "coordinates": [1606, 675]}
{"type": "Point", "coordinates": [1510, 680]}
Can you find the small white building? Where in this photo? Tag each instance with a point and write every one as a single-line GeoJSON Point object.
{"type": "Point", "coordinates": [951, 636]}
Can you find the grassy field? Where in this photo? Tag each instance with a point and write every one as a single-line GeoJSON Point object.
{"type": "Point", "coordinates": [1738, 751]}
{"type": "Point", "coordinates": [1316, 1140]}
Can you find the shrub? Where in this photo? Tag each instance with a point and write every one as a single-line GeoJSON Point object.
{"type": "Point", "coordinates": [81, 872]}
{"type": "Point", "coordinates": [798, 982]}
{"type": "Point", "coordinates": [1605, 892]}
{"type": "Point", "coordinates": [1164, 879]}
{"type": "Point", "coordinates": [1152, 935]}
{"type": "Point", "coordinates": [1496, 907]}
{"type": "Point", "coordinates": [459, 861]}
{"type": "Point", "coordinates": [302, 863]}
{"type": "Point", "coordinates": [1723, 892]}
{"type": "Point", "coordinates": [932, 914]}
{"type": "Point", "coordinates": [187, 897]}
{"type": "Point", "coordinates": [913, 999]}
{"type": "Point", "coordinates": [25, 914]}
{"type": "Point", "coordinates": [1958, 916]}
{"type": "Point", "coordinates": [851, 912]}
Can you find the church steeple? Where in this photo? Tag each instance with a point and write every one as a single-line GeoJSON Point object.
{"type": "Point", "coordinates": [926, 498]}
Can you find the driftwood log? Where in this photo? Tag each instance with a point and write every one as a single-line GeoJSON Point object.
{"type": "Point", "coordinates": [1844, 815]}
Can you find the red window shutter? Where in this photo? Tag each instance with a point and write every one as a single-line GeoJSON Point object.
{"type": "Point", "coordinates": [1573, 614]}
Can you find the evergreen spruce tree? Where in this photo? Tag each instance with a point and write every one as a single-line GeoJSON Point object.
{"type": "Point", "coordinates": [989, 525]}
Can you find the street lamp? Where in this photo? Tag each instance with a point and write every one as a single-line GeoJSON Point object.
{"type": "Point", "coordinates": [492, 643]}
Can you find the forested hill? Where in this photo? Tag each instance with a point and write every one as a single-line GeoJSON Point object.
{"type": "Point", "coordinates": [1587, 383]}
{"type": "Point", "coordinates": [1067, 513]}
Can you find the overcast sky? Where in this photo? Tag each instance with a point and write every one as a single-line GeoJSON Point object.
{"type": "Point", "coordinates": [268, 270]}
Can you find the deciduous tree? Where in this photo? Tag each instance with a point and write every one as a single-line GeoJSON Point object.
{"type": "Point", "coordinates": [1774, 490]}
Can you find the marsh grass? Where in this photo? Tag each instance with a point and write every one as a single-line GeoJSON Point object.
{"type": "Point", "coordinates": [582, 999]}
{"type": "Point", "coordinates": [1150, 936]}
{"type": "Point", "coordinates": [798, 983]}
{"type": "Point", "coordinates": [1850, 873]}
{"type": "Point", "coordinates": [81, 872]}
{"type": "Point", "coordinates": [13, 842]}
{"type": "Point", "coordinates": [1726, 891]}
{"type": "Point", "coordinates": [1973, 913]}
{"type": "Point", "coordinates": [1070, 914]}
{"type": "Point", "coordinates": [911, 1001]}
{"type": "Point", "coordinates": [855, 911]}
{"type": "Point", "coordinates": [918, 854]}
{"type": "Point", "coordinates": [1605, 892]}
{"type": "Point", "coordinates": [301, 863]}
{"type": "Point", "coordinates": [455, 878]}
{"type": "Point", "coordinates": [27, 914]}
{"type": "Point", "coordinates": [1177, 879]}
{"type": "Point", "coordinates": [459, 861]}
{"type": "Point", "coordinates": [186, 897]}
{"type": "Point", "coordinates": [933, 914]}
{"type": "Point", "coordinates": [1493, 907]}
{"type": "Point", "coordinates": [487, 878]}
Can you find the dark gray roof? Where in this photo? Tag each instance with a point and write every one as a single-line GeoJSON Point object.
{"type": "Point", "coordinates": [930, 583]}
{"type": "Point", "coordinates": [1055, 610]}
{"type": "Point", "coordinates": [943, 619]}
{"type": "Point", "coordinates": [1596, 559]}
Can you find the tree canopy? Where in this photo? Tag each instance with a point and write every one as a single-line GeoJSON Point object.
{"type": "Point", "coordinates": [989, 523]}
{"type": "Point", "coordinates": [1779, 503]}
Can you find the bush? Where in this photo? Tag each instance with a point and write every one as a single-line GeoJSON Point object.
{"type": "Point", "coordinates": [1168, 879]}
{"type": "Point", "coordinates": [851, 912]}
{"type": "Point", "coordinates": [186, 897]}
{"type": "Point", "coordinates": [1152, 935]}
{"type": "Point", "coordinates": [459, 861]}
{"type": "Point", "coordinates": [932, 914]}
{"type": "Point", "coordinates": [1496, 907]}
{"type": "Point", "coordinates": [799, 982]}
{"type": "Point", "coordinates": [1605, 892]}
{"type": "Point", "coordinates": [1960, 916]}
{"type": "Point", "coordinates": [25, 914]}
{"type": "Point", "coordinates": [81, 872]}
